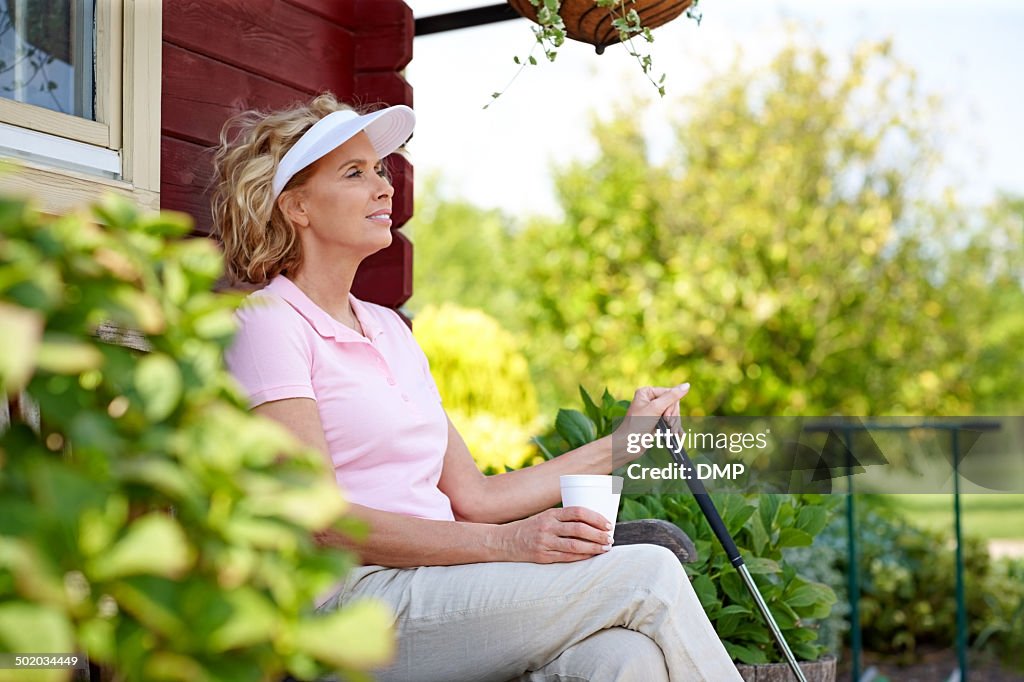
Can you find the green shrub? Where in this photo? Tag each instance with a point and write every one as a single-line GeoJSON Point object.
{"type": "Point", "coordinates": [765, 528]}
{"type": "Point", "coordinates": [146, 517]}
{"type": "Point", "coordinates": [908, 587]}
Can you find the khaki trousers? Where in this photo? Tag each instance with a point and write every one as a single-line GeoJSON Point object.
{"type": "Point", "coordinates": [627, 615]}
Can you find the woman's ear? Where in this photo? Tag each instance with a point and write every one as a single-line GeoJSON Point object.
{"type": "Point", "coordinates": [294, 209]}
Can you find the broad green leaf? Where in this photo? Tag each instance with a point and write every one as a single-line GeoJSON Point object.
{"type": "Point", "coordinates": [760, 565]}
{"type": "Point", "coordinates": [768, 510]}
{"type": "Point", "coordinates": [812, 519]}
{"type": "Point", "coordinates": [254, 619]}
{"type": "Point", "coordinates": [792, 537]}
{"type": "Point", "coordinates": [359, 635]}
{"type": "Point", "coordinates": [158, 473]}
{"type": "Point", "coordinates": [168, 666]}
{"type": "Point", "coordinates": [166, 224]}
{"type": "Point", "coordinates": [215, 324]}
{"type": "Point", "coordinates": [98, 526]}
{"type": "Point", "coordinates": [155, 603]}
{"type": "Point", "coordinates": [809, 594]}
{"type": "Point", "coordinates": [116, 211]}
{"type": "Point", "coordinates": [34, 576]}
{"type": "Point", "coordinates": [705, 590]}
{"type": "Point", "coordinates": [158, 381]}
{"type": "Point", "coordinates": [21, 330]}
{"type": "Point", "coordinates": [145, 313]}
{"type": "Point", "coordinates": [38, 629]}
{"type": "Point", "coordinates": [785, 616]}
{"type": "Point", "coordinates": [727, 624]}
{"type": "Point", "coordinates": [631, 510]}
{"type": "Point", "coordinates": [732, 585]}
{"type": "Point", "coordinates": [755, 632]}
{"type": "Point", "coordinates": [592, 410]}
{"type": "Point", "coordinates": [758, 536]}
{"type": "Point", "coordinates": [734, 609]}
{"type": "Point", "coordinates": [575, 428]}
{"type": "Point", "coordinates": [745, 654]}
{"type": "Point", "coordinates": [261, 534]}
{"type": "Point", "coordinates": [154, 544]}
{"type": "Point", "coordinates": [805, 651]}
{"type": "Point", "coordinates": [313, 508]}
{"type": "Point", "coordinates": [65, 355]}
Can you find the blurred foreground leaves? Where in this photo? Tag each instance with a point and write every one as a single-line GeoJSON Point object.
{"type": "Point", "coordinates": [146, 517]}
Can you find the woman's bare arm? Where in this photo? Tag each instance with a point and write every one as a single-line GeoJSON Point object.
{"type": "Point", "coordinates": [398, 540]}
{"type": "Point", "coordinates": [517, 494]}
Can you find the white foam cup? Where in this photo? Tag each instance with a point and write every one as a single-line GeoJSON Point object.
{"type": "Point", "coordinates": [593, 491]}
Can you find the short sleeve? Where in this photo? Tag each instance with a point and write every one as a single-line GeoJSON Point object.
{"type": "Point", "coordinates": [271, 356]}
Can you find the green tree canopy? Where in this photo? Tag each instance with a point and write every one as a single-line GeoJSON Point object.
{"type": "Point", "coordinates": [782, 259]}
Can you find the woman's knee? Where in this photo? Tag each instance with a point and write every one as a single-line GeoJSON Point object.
{"type": "Point", "coordinates": [650, 566]}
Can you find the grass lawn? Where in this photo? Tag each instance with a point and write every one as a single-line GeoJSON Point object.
{"type": "Point", "coordinates": [990, 516]}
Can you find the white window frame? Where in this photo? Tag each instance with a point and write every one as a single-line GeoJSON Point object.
{"type": "Point", "coordinates": [66, 161]}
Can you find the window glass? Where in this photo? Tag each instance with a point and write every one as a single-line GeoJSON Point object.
{"type": "Point", "coordinates": [47, 54]}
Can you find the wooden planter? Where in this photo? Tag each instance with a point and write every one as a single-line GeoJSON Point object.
{"type": "Point", "coordinates": [823, 670]}
{"type": "Point", "coordinates": [588, 23]}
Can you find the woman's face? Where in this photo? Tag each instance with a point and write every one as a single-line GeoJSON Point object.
{"type": "Point", "coordinates": [345, 205]}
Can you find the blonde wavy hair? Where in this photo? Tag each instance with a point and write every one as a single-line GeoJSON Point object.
{"type": "Point", "coordinates": [259, 240]}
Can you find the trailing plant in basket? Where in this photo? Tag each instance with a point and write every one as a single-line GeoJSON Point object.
{"type": "Point", "coordinates": [146, 517]}
{"type": "Point", "coordinates": [622, 17]}
{"type": "Point", "coordinates": [764, 528]}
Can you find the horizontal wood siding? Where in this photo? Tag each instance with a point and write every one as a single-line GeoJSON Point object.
{"type": "Point", "coordinates": [227, 56]}
{"type": "Point", "coordinates": [185, 172]}
{"type": "Point", "coordinates": [271, 38]}
{"type": "Point", "coordinates": [194, 111]}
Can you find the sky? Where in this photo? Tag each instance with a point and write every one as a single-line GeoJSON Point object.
{"type": "Point", "coordinates": [971, 54]}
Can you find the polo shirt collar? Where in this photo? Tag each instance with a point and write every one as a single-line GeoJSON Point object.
{"type": "Point", "coordinates": [325, 325]}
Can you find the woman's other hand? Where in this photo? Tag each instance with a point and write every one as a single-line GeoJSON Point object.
{"type": "Point", "coordinates": [649, 404]}
{"type": "Point", "coordinates": [657, 401]}
{"type": "Point", "coordinates": [556, 535]}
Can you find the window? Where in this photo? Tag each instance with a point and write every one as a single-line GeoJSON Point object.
{"type": "Point", "coordinates": [80, 99]}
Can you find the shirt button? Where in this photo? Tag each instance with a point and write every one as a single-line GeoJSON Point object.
{"type": "Point", "coordinates": [405, 397]}
{"type": "Point", "coordinates": [391, 381]}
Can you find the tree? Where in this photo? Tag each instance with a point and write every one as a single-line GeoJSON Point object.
{"type": "Point", "coordinates": [462, 255]}
{"type": "Point", "coordinates": [783, 259]}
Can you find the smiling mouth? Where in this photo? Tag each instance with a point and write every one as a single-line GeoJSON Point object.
{"type": "Point", "coordinates": [380, 217]}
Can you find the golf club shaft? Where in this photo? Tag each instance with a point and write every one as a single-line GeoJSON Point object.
{"type": "Point", "coordinates": [748, 580]}
{"type": "Point", "coordinates": [714, 519]}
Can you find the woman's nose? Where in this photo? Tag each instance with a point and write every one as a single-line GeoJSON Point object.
{"type": "Point", "coordinates": [386, 188]}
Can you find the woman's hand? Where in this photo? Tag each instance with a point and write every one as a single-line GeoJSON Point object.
{"type": "Point", "coordinates": [657, 401]}
{"type": "Point", "coordinates": [649, 404]}
{"type": "Point", "coordinates": [556, 535]}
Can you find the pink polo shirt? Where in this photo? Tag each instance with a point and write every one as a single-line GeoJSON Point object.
{"type": "Point", "coordinates": [381, 413]}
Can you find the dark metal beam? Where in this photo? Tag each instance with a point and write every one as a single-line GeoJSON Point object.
{"type": "Point", "coordinates": [467, 18]}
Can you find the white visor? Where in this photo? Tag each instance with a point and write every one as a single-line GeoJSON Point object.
{"type": "Point", "coordinates": [388, 129]}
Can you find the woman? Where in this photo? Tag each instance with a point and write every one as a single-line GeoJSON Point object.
{"type": "Point", "coordinates": [487, 581]}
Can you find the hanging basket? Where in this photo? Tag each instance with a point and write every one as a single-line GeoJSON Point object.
{"type": "Point", "coordinates": [588, 23]}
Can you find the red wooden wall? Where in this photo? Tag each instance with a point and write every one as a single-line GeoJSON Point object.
{"type": "Point", "coordinates": [224, 56]}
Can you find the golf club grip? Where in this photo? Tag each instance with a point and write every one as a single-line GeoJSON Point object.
{"type": "Point", "coordinates": [700, 494]}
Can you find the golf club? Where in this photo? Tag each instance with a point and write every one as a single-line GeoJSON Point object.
{"type": "Point", "coordinates": [700, 493]}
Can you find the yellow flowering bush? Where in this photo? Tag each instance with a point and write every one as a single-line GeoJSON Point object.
{"type": "Point", "coordinates": [484, 381]}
